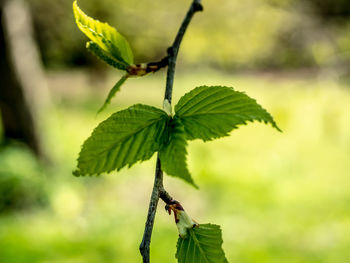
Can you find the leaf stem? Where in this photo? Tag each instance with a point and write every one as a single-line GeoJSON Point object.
{"type": "Point", "coordinates": [158, 188]}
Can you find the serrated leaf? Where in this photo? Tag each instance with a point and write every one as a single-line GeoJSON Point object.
{"type": "Point", "coordinates": [113, 91]}
{"type": "Point", "coordinates": [173, 154]}
{"type": "Point", "coordinates": [203, 244]}
{"type": "Point", "coordinates": [105, 36]}
{"type": "Point", "coordinates": [104, 56]}
{"type": "Point", "coordinates": [124, 138]}
{"type": "Point", "coordinates": [212, 112]}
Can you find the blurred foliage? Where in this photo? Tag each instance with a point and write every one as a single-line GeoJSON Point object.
{"type": "Point", "coordinates": [229, 34]}
{"type": "Point", "coordinates": [21, 182]}
{"type": "Point", "coordinates": [279, 197]}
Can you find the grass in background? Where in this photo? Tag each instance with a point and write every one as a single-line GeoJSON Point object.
{"type": "Point", "coordinates": [279, 197]}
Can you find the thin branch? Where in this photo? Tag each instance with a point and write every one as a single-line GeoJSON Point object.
{"type": "Point", "coordinates": [174, 49]}
{"type": "Point", "coordinates": [146, 240]}
{"type": "Point", "coordinates": [158, 188]}
{"type": "Point", "coordinates": [164, 195]}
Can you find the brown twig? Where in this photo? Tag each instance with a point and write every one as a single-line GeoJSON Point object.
{"type": "Point", "coordinates": [158, 188]}
{"type": "Point", "coordinates": [146, 68]}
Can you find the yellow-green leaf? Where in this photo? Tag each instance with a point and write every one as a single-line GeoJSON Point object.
{"type": "Point", "coordinates": [105, 36]}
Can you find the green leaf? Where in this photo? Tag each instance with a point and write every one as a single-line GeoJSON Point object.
{"type": "Point", "coordinates": [212, 112]}
{"type": "Point", "coordinates": [104, 56]}
{"type": "Point", "coordinates": [203, 244]}
{"type": "Point", "coordinates": [113, 91]}
{"type": "Point", "coordinates": [105, 36]}
{"type": "Point", "coordinates": [124, 138]}
{"type": "Point", "coordinates": [173, 154]}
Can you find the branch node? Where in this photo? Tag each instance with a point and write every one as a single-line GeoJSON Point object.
{"type": "Point", "coordinates": [165, 196]}
{"type": "Point", "coordinates": [198, 7]}
{"type": "Point", "coordinates": [170, 51]}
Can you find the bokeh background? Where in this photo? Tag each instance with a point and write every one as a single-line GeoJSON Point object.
{"type": "Point", "coordinates": [279, 197]}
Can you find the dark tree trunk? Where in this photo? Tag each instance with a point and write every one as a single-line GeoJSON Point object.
{"type": "Point", "coordinates": [18, 110]}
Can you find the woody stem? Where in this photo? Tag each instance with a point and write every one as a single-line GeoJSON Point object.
{"type": "Point", "coordinates": [158, 188]}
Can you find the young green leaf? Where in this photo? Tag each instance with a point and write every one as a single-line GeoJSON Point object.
{"type": "Point", "coordinates": [104, 56]}
{"type": "Point", "coordinates": [113, 91]}
{"type": "Point", "coordinates": [212, 112]}
{"type": "Point", "coordinates": [173, 153]}
{"type": "Point", "coordinates": [202, 244]}
{"type": "Point", "coordinates": [126, 137]}
{"type": "Point", "coordinates": [105, 36]}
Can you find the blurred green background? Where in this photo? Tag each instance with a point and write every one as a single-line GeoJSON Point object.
{"type": "Point", "coordinates": [279, 197]}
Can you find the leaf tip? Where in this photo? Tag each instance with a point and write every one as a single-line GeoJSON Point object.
{"type": "Point", "coordinates": [75, 7]}
{"type": "Point", "coordinates": [278, 128]}
{"type": "Point", "coordinates": [76, 173]}
{"type": "Point", "coordinates": [274, 125]}
{"type": "Point", "coordinates": [188, 179]}
{"type": "Point", "coordinates": [194, 185]}
{"type": "Point", "coordinates": [101, 109]}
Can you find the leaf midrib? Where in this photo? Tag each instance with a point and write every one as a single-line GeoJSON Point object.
{"type": "Point", "coordinates": [197, 243]}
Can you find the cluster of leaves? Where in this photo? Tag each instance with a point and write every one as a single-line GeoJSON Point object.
{"type": "Point", "coordinates": [136, 133]}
